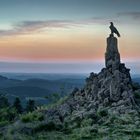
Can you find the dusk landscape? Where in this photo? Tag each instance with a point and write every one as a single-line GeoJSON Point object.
{"type": "Point", "coordinates": [64, 36]}
{"type": "Point", "coordinates": [69, 70]}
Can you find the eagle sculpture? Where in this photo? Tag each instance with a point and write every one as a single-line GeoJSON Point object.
{"type": "Point", "coordinates": [114, 30]}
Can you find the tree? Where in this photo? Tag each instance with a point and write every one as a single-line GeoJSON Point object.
{"type": "Point", "coordinates": [30, 106]}
{"type": "Point", "coordinates": [17, 105]}
{"type": "Point", "coordinates": [3, 101]}
{"type": "Point", "coordinates": [55, 97]}
{"type": "Point", "coordinates": [62, 88]}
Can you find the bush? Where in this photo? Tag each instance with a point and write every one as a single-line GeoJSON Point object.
{"type": "Point", "coordinates": [7, 114]}
{"type": "Point", "coordinates": [137, 95]}
{"type": "Point", "coordinates": [51, 126]}
{"type": "Point", "coordinates": [3, 123]}
{"type": "Point", "coordinates": [102, 112]}
{"type": "Point", "coordinates": [32, 116]}
{"type": "Point", "coordinates": [3, 101]}
{"type": "Point", "coordinates": [86, 122]}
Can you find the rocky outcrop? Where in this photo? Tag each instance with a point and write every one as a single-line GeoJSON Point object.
{"type": "Point", "coordinates": [111, 90]}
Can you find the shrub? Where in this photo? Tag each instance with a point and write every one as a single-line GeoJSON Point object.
{"type": "Point", "coordinates": [137, 95]}
{"type": "Point", "coordinates": [78, 121]}
{"type": "Point", "coordinates": [3, 123]}
{"type": "Point", "coordinates": [3, 101]}
{"type": "Point", "coordinates": [51, 126]}
{"type": "Point", "coordinates": [7, 114]}
{"type": "Point", "coordinates": [102, 112]}
{"type": "Point", "coordinates": [32, 116]}
{"type": "Point", "coordinates": [86, 122]}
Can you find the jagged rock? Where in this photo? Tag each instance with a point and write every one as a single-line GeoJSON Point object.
{"type": "Point", "coordinates": [111, 88]}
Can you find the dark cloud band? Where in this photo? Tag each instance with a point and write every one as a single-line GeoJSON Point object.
{"type": "Point", "coordinates": [134, 15]}
{"type": "Point", "coordinates": [27, 27]}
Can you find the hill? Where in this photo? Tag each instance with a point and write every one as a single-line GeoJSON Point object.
{"type": "Point", "coordinates": [37, 89]}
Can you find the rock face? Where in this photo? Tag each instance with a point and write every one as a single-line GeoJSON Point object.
{"type": "Point", "coordinates": [111, 89]}
{"type": "Point", "coordinates": [113, 84]}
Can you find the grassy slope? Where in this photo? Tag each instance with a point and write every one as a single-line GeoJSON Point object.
{"type": "Point", "coordinates": [105, 127]}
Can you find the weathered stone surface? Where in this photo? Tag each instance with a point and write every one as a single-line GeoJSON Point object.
{"type": "Point", "coordinates": [112, 56]}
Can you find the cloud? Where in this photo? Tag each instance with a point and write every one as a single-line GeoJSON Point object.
{"type": "Point", "coordinates": [27, 27]}
{"type": "Point", "coordinates": [33, 25]}
{"type": "Point", "coordinates": [30, 27]}
{"type": "Point", "coordinates": [135, 15]}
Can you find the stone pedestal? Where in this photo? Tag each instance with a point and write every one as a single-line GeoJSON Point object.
{"type": "Point", "coordinates": [112, 56]}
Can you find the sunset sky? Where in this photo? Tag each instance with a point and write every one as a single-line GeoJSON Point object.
{"type": "Point", "coordinates": [66, 36]}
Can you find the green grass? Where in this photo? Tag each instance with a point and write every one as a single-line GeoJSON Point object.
{"type": "Point", "coordinates": [87, 131]}
{"type": "Point", "coordinates": [107, 127]}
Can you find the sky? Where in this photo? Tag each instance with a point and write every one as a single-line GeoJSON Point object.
{"type": "Point", "coordinates": [66, 36]}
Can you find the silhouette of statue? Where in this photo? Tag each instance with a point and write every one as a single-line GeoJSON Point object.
{"type": "Point", "coordinates": [113, 29]}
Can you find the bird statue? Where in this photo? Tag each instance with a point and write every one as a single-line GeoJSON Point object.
{"type": "Point", "coordinates": [114, 30]}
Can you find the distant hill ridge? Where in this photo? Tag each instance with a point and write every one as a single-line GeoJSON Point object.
{"type": "Point", "coordinates": [37, 87]}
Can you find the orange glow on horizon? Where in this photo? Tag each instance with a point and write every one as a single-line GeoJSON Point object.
{"type": "Point", "coordinates": [63, 45]}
